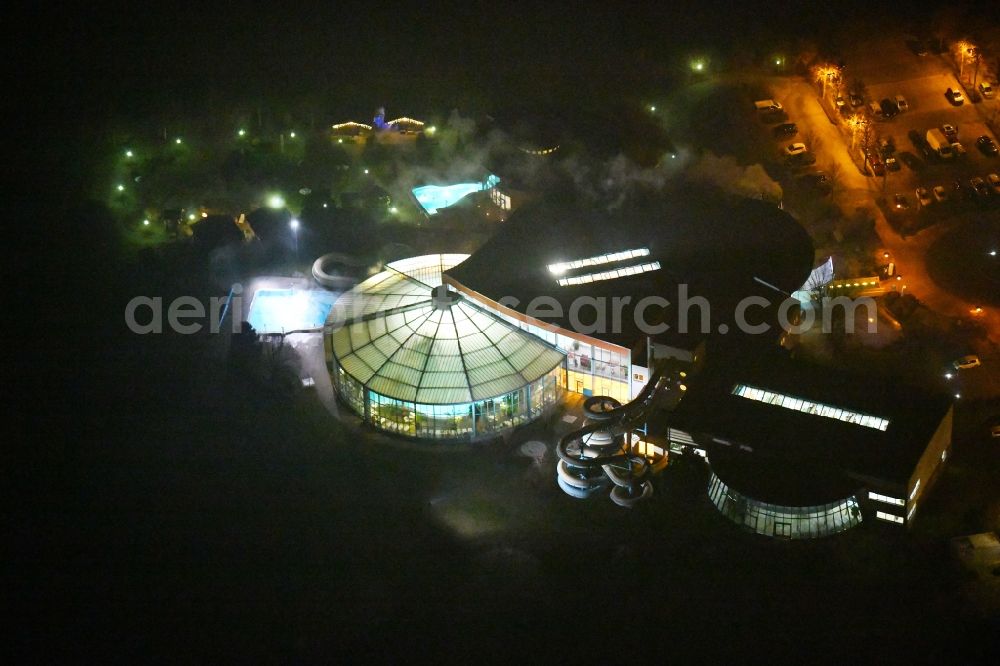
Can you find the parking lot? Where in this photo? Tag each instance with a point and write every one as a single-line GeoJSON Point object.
{"type": "Point", "coordinates": [922, 81]}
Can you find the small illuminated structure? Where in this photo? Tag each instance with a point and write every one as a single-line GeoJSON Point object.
{"type": "Point", "coordinates": [350, 128]}
{"type": "Point", "coordinates": [406, 121]}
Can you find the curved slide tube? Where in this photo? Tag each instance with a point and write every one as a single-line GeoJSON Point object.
{"type": "Point", "coordinates": [602, 446]}
{"type": "Point", "coordinates": [620, 495]}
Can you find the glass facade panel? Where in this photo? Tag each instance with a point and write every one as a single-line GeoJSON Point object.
{"type": "Point", "coordinates": [789, 522]}
{"type": "Point", "coordinates": [470, 420]}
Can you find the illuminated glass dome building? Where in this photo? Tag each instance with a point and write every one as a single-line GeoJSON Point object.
{"type": "Point", "coordinates": [412, 357]}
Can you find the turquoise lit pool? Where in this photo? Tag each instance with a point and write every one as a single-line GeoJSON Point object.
{"type": "Point", "coordinates": [435, 197]}
{"type": "Point", "coordinates": [282, 310]}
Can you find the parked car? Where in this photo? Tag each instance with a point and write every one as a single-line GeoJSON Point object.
{"type": "Point", "coordinates": [818, 180]}
{"type": "Point", "coordinates": [955, 96]}
{"type": "Point", "coordinates": [995, 431]}
{"type": "Point", "coordinates": [967, 362]}
{"type": "Point", "coordinates": [987, 146]}
{"type": "Point", "coordinates": [993, 180]}
{"type": "Point", "coordinates": [878, 169]}
{"type": "Point", "coordinates": [889, 108]}
{"type": "Point", "coordinates": [800, 160]}
{"type": "Point", "coordinates": [923, 196]}
{"type": "Point", "coordinates": [950, 131]}
{"type": "Point", "coordinates": [840, 102]}
{"type": "Point", "coordinates": [900, 202]}
{"type": "Point", "coordinates": [940, 193]}
{"type": "Point", "coordinates": [796, 148]}
{"type": "Point", "coordinates": [786, 129]}
{"type": "Point", "coordinates": [856, 100]}
{"type": "Point", "coordinates": [901, 104]}
{"type": "Point", "coordinates": [986, 90]}
{"type": "Point", "coordinates": [979, 186]}
{"type": "Point", "coordinates": [891, 164]}
{"type": "Point", "coordinates": [958, 149]}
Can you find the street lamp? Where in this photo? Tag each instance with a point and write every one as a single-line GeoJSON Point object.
{"type": "Point", "coordinates": [294, 224]}
{"type": "Point", "coordinates": [963, 48]}
{"type": "Point", "coordinates": [120, 188]}
{"type": "Point", "coordinates": [178, 141]}
{"type": "Point", "coordinates": [242, 132]}
{"type": "Point", "coordinates": [276, 201]}
{"type": "Point", "coordinates": [129, 153]}
{"type": "Point", "coordinates": [825, 73]}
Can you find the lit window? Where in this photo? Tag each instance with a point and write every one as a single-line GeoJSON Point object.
{"type": "Point", "coordinates": [913, 510]}
{"type": "Point", "coordinates": [809, 407]}
{"type": "Point", "coordinates": [885, 498]}
{"type": "Point", "coordinates": [882, 515]}
{"type": "Point", "coordinates": [608, 275]}
{"type": "Point", "coordinates": [916, 487]}
{"type": "Point", "coordinates": [611, 257]}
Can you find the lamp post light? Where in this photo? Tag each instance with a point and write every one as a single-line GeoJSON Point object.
{"type": "Point", "coordinates": [825, 73]}
{"type": "Point", "coordinates": [294, 224]}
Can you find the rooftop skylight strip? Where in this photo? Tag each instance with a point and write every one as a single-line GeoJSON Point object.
{"type": "Point", "coordinates": [611, 257]}
{"type": "Point", "coordinates": [609, 275]}
{"type": "Point", "coordinates": [810, 407]}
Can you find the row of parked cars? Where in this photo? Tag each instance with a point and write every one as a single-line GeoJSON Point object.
{"type": "Point", "coordinates": [978, 187]}
{"type": "Point", "coordinates": [796, 154]}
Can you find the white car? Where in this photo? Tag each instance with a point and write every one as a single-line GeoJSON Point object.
{"type": "Point", "coordinates": [994, 182]}
{"type": "Point", "coordinates": [986, 90]}
{"type": "Point", "coordinates": [901, 104]}
{"type": "Point", "coordinates": [795, 149]}
{"type": "Point", "coordinates": [967, 362]}
{"type": "Point", "coordinates": [924, 197]}
{"type": "Point", "coordinates": [940, 193]}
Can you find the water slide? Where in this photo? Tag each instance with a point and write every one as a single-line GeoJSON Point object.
{"type": "Point", "coordinates": [602, 450]}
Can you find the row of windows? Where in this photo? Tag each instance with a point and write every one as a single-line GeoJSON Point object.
{"type": "Point", "coordinates": [580, 357]}
{"type": "Point", "coordinates": [562, 267]}
{"type": "Point", "coordinates": [885, 498]}
{"type": "Point", "coordinates": [609, 275]}
{"type": "Point", "coordinates": [500, 199]}
{"type": "Point", "coordinates": [789, 522]}
{"type": "Point", "coordinates": [882, 515]}
{"type": "Point", "coordinates": [449, 421]}
{"type": "Point", "coordinates": [809, 407]}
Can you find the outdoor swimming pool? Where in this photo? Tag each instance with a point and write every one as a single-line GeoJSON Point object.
{"type": "Point", "coordinates": [281, 310]}
{"type": "Point", "coordinates": [434, 197]}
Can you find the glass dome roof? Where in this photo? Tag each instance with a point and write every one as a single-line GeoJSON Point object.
{"type": "Point", "coordinates": [395, 336]}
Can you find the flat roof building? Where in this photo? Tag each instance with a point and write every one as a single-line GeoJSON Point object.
{"type": "Point", "coordinates": [786, 438]}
